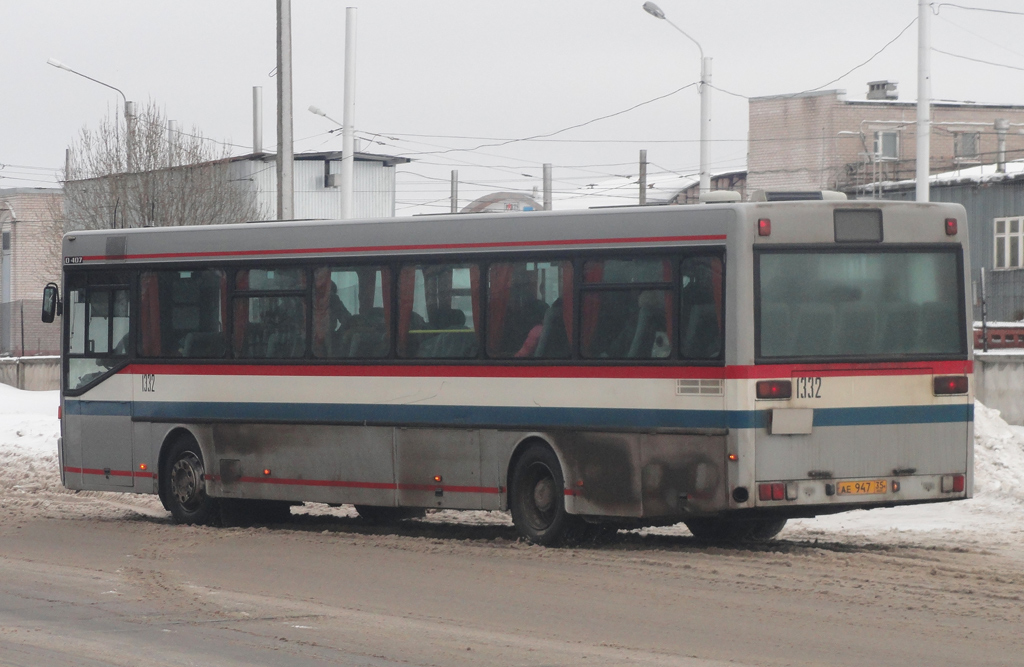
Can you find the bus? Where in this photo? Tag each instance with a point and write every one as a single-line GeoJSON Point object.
{"type": "Point", "coordinates": [723, 365]}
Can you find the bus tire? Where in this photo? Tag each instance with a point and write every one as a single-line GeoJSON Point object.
{"type": "Point", "coordinates": [732, 529]}
{"type": "Point", "coordinates": [386, 515]}
{"type": "Point", "coordinates": [184, 487]}
{"type": "Point", "coordinates": [537, 500]}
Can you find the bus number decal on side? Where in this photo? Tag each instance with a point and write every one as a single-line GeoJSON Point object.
{"type": "Point", "coordinates": [808, 388]}
{"type": "Point", "coordinates": [148, 382]}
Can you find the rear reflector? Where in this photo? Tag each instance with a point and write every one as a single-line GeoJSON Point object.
{"type": "Point", "coordinates": [764, 491]}
{"type": "Point", "coordinates": [764, 227]}
{"type": "Point", "coordinates": [774, 389]}
{"type": "Point", "coordinates": [950, 226]}
{"type": "Point", "coordinates": [775, 491]}
{"type": "Point", "coordinates": [958, 483]}
{"type": "Point", "coordinates": [945, 385]}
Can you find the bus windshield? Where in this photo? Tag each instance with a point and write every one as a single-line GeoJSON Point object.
{"type": "Point", "coordinates": [859, 304]}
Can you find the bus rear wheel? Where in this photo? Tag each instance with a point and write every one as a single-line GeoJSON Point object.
{"type": "Point", "coordinates": [732, 529]}
{"type": "Point", "coordinates": [183, 485]}
{"type": "Point", "coordinates": [537, 500]}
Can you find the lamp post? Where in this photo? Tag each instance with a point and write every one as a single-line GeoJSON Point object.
{"type": "Point", "coordinates": [129, 107]}
{"type": "Point", "coordinates": [705, 97]}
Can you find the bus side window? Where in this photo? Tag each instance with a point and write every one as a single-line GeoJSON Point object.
{"type": "Point", "coordinates": [183, 314]}
{"type": "Point", "coordinates": [351, 312]}
{"type": "Point", "coordinates": [627, 308]}
{"type": "Point", "coordinates": [701, 317]}
{"type": "Point", "coordinates": [439, 311]}
{"type": "Point", "coordinates": [269, 313]}
{"type": "Point", "coordinates": [529, 310]}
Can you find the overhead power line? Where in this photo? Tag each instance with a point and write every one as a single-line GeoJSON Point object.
{"type": "Point", "coordinates": [977, 60]}
{"type": "Point", "coordinates": [939, 7]}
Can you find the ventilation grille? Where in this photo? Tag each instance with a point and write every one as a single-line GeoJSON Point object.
{"type": "Point", "coordinates": [702, 387]}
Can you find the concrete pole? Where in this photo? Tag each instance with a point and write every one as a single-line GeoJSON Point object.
{"type": "Point", "coordinates": [67, 164]}
{"type": "Point", "coordinates": [455, 191]}
{"type": "Point", "coordinates": [705, 123]}
{"type": "Point", "coordinates": [924, 105]}
{"type": "Point", "coordinates": [172, 142]}
{"type": "Point", "coordinates": [129, 122]}
{"type": "Point", "coordinates": [643, 177]}
{"type": "Point", "coordinates": [547, 186]}
{"type": "Point", "coordinates": [348, 135]}
{"type": "Point", "coordinates": [257, 120]}
{"type": "Point", "coordinates": [285, 154]}
{"type": "Point", "coordinates": [1002, 126]}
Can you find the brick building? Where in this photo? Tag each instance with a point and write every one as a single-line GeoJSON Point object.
{"type": "Point", "coordinates": [821, 140]}
{"type": "Point", "coordinates": [29, 259]}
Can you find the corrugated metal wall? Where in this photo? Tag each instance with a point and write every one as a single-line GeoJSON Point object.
{"type": "Point", "coordinates": [984, 203]}
{"type": "Point", "coordinates": [373, 188]}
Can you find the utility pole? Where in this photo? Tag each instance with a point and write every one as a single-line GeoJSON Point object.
{"type": "Point", "coordinates": [643, 177]}
{"type": "Point", "coordinates": [547, 186]}
{"type": "Point", "coordinates": [129, 122]}
{"type": "Point", "coordinates": [257, 120]}
{"type": "Point", "coordinates": [455, 191]}
{"type": "Point", "coordinates": [172, 141]}
{"type": "Point", "coordinates": [285, 155]}
{"type": "Point", "coordinates": [348, 120]}
{"type": "Point", "coordinates": [924, 103]}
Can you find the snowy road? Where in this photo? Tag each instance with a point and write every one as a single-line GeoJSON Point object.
{"type": "Point", "coordinates": [96, 579]}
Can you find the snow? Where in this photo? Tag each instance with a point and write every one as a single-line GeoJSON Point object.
{"type": "Point", "coordinates": [992, 520]}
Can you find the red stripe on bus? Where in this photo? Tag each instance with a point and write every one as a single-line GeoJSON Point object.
{"type": "Point", "coordinates": [385, 486]}
{"type": "Point", "coordinates": [411, 247]}
{"type": "Point", "coordinates": [959, 367]}
{"type": "Point", "coordinates": [402, 370]}
{"type": "Point", "coordinates": [107, 473]}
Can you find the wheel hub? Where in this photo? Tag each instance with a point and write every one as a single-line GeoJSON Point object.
{"type": "Point", "coordinates": [186, 477]}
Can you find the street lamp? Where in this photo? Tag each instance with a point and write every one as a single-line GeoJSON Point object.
{"type": "Point", "coordinates": [129, 107]}
{"type": "Point", "coordinates": [705, 97]}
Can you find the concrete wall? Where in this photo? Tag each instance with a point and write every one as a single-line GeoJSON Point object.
{"type": "Point", "coordinates": [999, 383]}
{"type": "Point", "coordinates": [32, 373]}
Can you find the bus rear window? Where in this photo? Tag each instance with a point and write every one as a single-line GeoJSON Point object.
{"type": "Point", "coordinates": [877, 305]}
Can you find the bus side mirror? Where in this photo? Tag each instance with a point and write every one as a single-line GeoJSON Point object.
{"type": "Point", "coordinates": [52, 305]}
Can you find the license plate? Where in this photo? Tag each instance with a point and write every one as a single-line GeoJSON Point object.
{"type": "Point", "coordinates": [863, 487]}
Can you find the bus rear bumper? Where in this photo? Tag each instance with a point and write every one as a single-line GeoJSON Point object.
{"type": "Point", "coordinates": [854, 493]}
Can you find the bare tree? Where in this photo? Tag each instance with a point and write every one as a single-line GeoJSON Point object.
{"type": "Point", "coordinates": [129, 174]}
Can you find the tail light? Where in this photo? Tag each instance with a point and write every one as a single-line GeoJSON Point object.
{"type": "Point", "coordinates": [774, 389]}
{"type": "Point", "coordinates": [950, 226]}
{"type": "Point", "coordinates": [947, 385]}
{"type": "Point", "coordinates": [952, 483]}
{"type": "Point", "coordinates": [958, 483]}
{"type": "Point", "coordinates": [774, 491]}
{"type": "Point", "coordinates": [764, 227]}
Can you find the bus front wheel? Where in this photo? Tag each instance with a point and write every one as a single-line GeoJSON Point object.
{"type": "Point", "coordinates": [537, 499]}
{"type": "Point", "coordinates": [184, 487]}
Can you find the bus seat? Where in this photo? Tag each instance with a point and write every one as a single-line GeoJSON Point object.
{"type": "Point", "coordinates": [553, 342]}
{"type": "Point", "coordinates": [203, 345]}
{"type": "Point", "coordinates": [856, 330]}
{"type": "Point", "coordinates": [650, 321]}
{"type": "Point", "coordinates": [703, 339]}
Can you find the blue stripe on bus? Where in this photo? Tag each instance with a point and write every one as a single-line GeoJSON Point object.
{"type": "Point", "coordinates": [468, 415]}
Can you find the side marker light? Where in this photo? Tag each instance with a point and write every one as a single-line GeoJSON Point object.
{"type": "Point", "coordinates": [437, 478]}
{"type": "Point", "coordinates": [143, 466]}
{"type": "Point", "coordinates": [774, 389]}
{"type": "Point", "coordinates": [764, 227]}
{"type": "Point", "coordinates": [948, 385]}
{"type": "Point", "coordinates": [734, 457]}
{"type": "Point", "coordinates": [950, 226]}
{"type": "Point", "coordinates": [266, 472]}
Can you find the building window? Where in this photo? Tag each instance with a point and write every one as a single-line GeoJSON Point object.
{"type": "Point", "coordinates": [6, 240]}
{"type": "Point", "coordinates": [966, 145]}
{"type": "Point", "coordinates": [887, 145]}
{"type": "Point", "coordinates": [1009, 246]}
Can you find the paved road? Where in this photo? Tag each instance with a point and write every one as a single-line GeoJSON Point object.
{"type": "Point", "coordinates": [99, 590]}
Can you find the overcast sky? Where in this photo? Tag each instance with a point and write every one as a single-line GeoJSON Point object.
{"type": "Point", "coordinates": [432, 72]}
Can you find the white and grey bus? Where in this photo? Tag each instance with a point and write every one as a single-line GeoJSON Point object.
{"type": "Point", "coordinates": [727, 366]}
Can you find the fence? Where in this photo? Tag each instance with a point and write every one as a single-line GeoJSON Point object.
{"type": "Point", "coordinates": [23, 333]}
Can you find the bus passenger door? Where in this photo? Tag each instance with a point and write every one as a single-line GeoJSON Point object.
{"type": "Point", "coordinates": [98, 425]}
{"type": "Point", "coordinates": [438, 468]}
